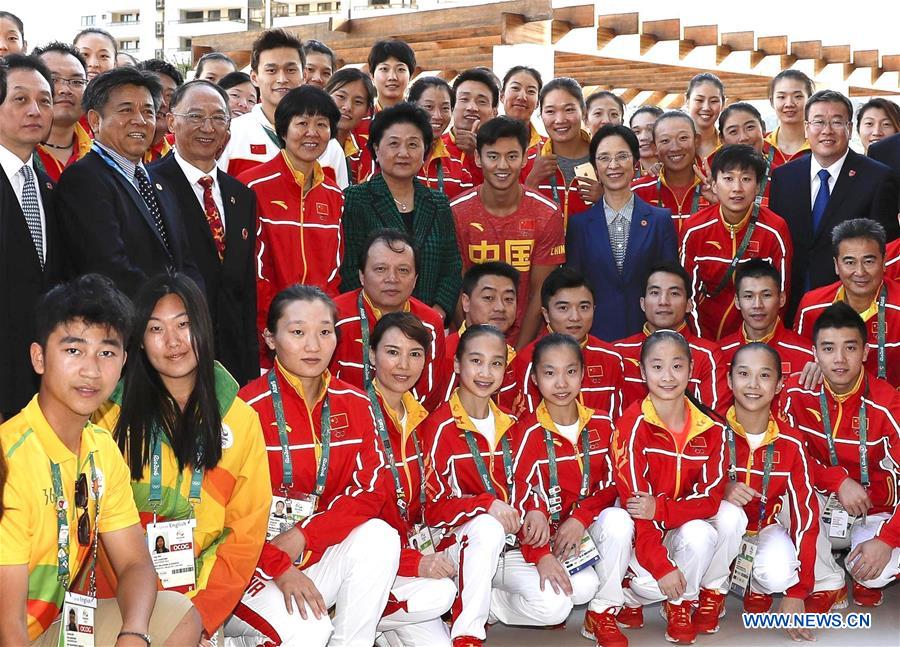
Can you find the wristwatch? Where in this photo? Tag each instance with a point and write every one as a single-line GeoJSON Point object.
{"type": "Point", "coordinates": [144, 637]}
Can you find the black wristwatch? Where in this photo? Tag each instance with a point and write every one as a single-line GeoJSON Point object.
{"type": "Point", "coordinates": [144, 637]}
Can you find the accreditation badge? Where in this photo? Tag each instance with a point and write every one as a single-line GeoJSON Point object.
{"type": "Point", "coordinates": [835, 517]}
{"type": "Point", "coordinates": [743, 565]}
{"type": "Point", "coordinates": [587, 555]}
{"type": "Point", "coordinates": [77, 621]}
{"type": "Point", "coordinates": [285, 512]}
{"type": "Point", "coordinates": [171, 545]}
{"type": "Point", "coordinates": [422, 539]}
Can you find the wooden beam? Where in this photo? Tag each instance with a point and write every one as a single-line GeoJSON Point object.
{"type": "Point", "coordinates": [701, 35]}
{"type": "Point", "coordinates": [516, 29]}
{"type": "Point", "coordinates": [628, 94]}
{"type": "Point", "coordinates": [772, 45]}
{"type": "Point", "coordinates": [616, 24]}
{"type": "Point", "coordinates": [654, 98]}
{"type": "Point", "coordinates": [647, 42]}
{"type": "Point", "coordinates": [577, 16]}
{"type": "Point", "coordinates": [722, 52]}
{"type": "Point", "coordinates": [837, 54]}
{"type": "Point", "coordinates": [868, 58]}
{"type": "Point", "coordinates": [809, 50]}
{"type": "Point", "coordinates": [890, 62]}
{"type": "Point", "coordinates": [739, 41]}
{"type": "Point", "coordinates": [662, 30]}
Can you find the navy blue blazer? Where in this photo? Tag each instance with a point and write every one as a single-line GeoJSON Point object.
{"type": "Point", "coordinates": [864, 189]}
{"type": "Point", "coordinates": [651, 239]}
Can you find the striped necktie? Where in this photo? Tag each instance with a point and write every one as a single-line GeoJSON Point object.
{"type": "Point", "coordinates": [31, 209]}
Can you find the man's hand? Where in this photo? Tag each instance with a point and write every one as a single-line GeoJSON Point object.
{"type": "Point", "coordinates": [641, 506]}
{"type": "Point", "coordinates": [465, 139]}
{"type": "Point", "coordinates": [537, 529]}
{"type": "Point", "coordinates": [702, 171]}
{"type": "Point", "coordinates": [544, 166]}
{"type": "Point", "coordinates": [567, 541]}
{"type": "Point", "coordinates": [292, 542]}
{"type": "Point", "coordinates": [853, 497]}
{"type": "Point", "coordinates": [298, 589]}
{"type": "Point", "coordinates": [811, 376]}
{"type": "Point", "coordinates": [739, 494]}
{"type": "Point", "coordinates": [672, 584]}
{"type": "Point", "coordinates": [590, 190]}
{"type": "Point", "coordinates": [506, 515]}
{"type": "Point", "coordinates": [550, 570]}
{"type": "Point", "coordinates": [795, 605]}
{"type": "Point", "coordinates": [436, 566]}
{"type": "Point", "coordinates": [869, 559]}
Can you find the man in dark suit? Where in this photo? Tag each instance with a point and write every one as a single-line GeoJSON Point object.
{"type": "Point", "coordinates": [219, 216]}
{"type": "Point", "coordinates": [117, 219]}
{"type": "Point", "coordinates": [833, 184]}
{"type": "Point", "coordinates": [31, 258]}
{"type": "Point", "coordinates": [887, 151]}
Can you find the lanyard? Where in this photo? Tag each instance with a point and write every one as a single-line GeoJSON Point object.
{"type": "Point", "coordinates": [745, 243]}
{"type": "Point", "coordinates": [482, 470]}
{"type": "Point", "coordinates": [364, 334]}
{"type": "Point", "coordinates": [62, 526]}
{"type": "Point", "coordinates": [882, 333]}
{"type": "Point", "coordinates": [585, 463]}
{"type": "Point", "coordinates": [287, 466]}
{"type": "Point", "coordinates": [349, 163]}
{"type": "Point", "coordinates": [440, 178]}
{"type": "Point", "coordinates": [767, 470]}
{"type": "Point", "coordinates": [274, 137]}
{"type": "Point", "coordinates": [155, 497]}
{"type": "Point", "coordinates": [863, 433]}
{"type": "Point", "coordinates": [554, 186]}
{"type": "Point", "coordinates": [115, 165]}
{"type": "Point", "coordinates": [765, 180]}
{"type": "Point", "coordinates": [695, 202]}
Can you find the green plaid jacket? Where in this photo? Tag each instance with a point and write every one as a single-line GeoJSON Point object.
{"type": "Point", "coordinates": [370, 206]}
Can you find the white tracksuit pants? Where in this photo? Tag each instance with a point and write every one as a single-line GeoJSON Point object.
{"type": "Point", "coordinates": [702, 549]}
{"type": "Point", "coordinates": [775, 567]}
{"type": "Point", "coordinates": [355, 576]}
{"type": "Point", "coordinates": [601, 585]}
{"type": "Point", "coordinates": [417, 622]}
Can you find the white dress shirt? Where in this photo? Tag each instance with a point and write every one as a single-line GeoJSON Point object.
{"type": "Point", "coordinates": [12, 166]}
{"type": "Point", "coordinates": [815, 167]}
{"type": "Point", "coordinates": [193, 175]}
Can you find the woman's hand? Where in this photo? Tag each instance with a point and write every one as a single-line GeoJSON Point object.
{"type": "Point", "coordinates": [567, 541]}
{"type": "Point", "coordinates": [641, 506]}
{"type": "Point", "coordinates": [544, 166]}
{"type": "Point", "coordinates": [292, 542]}
{"type": "Point", "coordinates": [590, 190]}
{"type": "Point", "coordinates": [672, 584]}
{"type": "Point", "coordinates": [436, 566]}
{"type": "Point", "coordinates": [537, 529]}
{"type": "Point", "coordinates": [706, 182]}
{"type": "Point", "coordinates": [550, 570]}
{"type": "Point", "coordinates": [300, 590]}
{"type": "Point", "coordinates": [739, 494]}
{"type": "Point", "coordinates": [506, 515]}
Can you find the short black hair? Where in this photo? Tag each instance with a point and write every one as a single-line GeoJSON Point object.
{"type": "Point", "coordinates": [417, 89]}
{"type": "Point", "coordinates": [673, 114]}
{"type": "Point", "coordinates": [605, 94]}
{"type": "Point", "coordinates": [740, 106]}
{"type": "Point", "coordinates": [393, 238]}
{"type": "Point", "coordinates": [670, 267]}
{"type": "Point", "coordinates": [794, 75]}
{"type": "Point", "coordinates": [234, 78]}
{"type": "Point", "coordinates": [60, 48]}
{"type": "Point", "coordinates": [347, 75]}
{"type": "Point", "coordinates": [212, 56]}
{"type": "Point", "coordinates": [401, 113]}
{"type": "Point", "coordinates": [499, 128]}
{"type": "Point", "coordinates": [890, 109]}
{"type": "Point", "coordinates": [99, 32]}
{"type": "Point", "coordinates": [96, 94]}
{"type": "Point", "coordinates": [305, 100]}
{"type": "Point", "coordinates": [490, 268]}
{"type": "Point", "coordinates": [15, 20]}
{"type": "Point", "coordinates": [474, 332]}
{"type": "Point", "coordinates": [182, 90]}
{"type": "Point", "coordinates": [407, 323]}
{"type": "Point", "coordinates": [864, 228]}
{"type": "Point", "coordinates": [297, 292]}
{"type": "Point", "coordinates": [91, 298]}
{"type": "Point", "coordinates": [23, 62]}
{"type": "Point", "coordinates": [839, 315]}
{"type": "Point", "coordinates": [3, 81]}
{"type": "Point", "coordinates": [566, 84]}
{"type": "Point", "coordinates": [313, 46]}
{"type": "Point", "coordinates": [614, 130]}
{"type": "Point", "coordinates": [705, 77]}
{"type": "Point", "coordinates": [274, 39]}
{"type": "Point", "coordinates": [553, 340]}
{"type": "Point", "coordinates": [482, 76]}
{"type": "Point", "coordinates": [515, 69]}
{"type": "Point", "coordinates": [756, 268]}
{"type": "Point", "coordinates": [382, 50]}
{"type": "Point", "coordinates": [828, 96]}
{"type": "Point", "coordinates": [656, 111]}
{"type": "Point", "coordinates": [159, 66]}
{"type": "Point", "coordinates": [738, 157]}
{"type": "Point", "coordinates": [563, 278]}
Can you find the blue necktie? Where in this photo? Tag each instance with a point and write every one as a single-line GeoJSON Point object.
{"type": "Point", "coordinates": [821, 202]}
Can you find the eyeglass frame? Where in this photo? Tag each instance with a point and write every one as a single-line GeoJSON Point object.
{"type": "Point", "coordinates": [818, 125]}
{"type": "Point", "coordinates": [622, 158]}
{"type": "Point", "coordinates": [191, 118]}
{"type": "Point", "coordinates": [70, 83]}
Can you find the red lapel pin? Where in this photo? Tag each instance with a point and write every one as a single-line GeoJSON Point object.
{"type": "Point", "coordinates": [244, 233]}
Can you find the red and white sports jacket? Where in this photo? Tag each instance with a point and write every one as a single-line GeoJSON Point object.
{"type": "Point", "coordinates": [708, 378]}
{"type": "Point", "coordinates": [791, 476]}
{"type": "Point", "coordinates": [688, 482]}
{"type": "Point", "coordinates": [564, 195]}
{"type": "Point", "coordinates": [815, 301]}
{"type": "Point", "coordinates": [708, 245]}
{"type": "Point", "coordinates": [803, 410]}
{"type": "Point", "coordinates": [406, 459]}
{"type": "Point", "coordinates": [603, 378]}
{"type": "Point", "coordinates": [533, 469]}
{"type": "Point", "coordinates": [466, 161]}
{"type": "Point", "coordinates": [892, 260]}
{"type": "Point", "coordinates": [655, 191]}
{"type": "Point", "coordinates": [352, 493]}
{"type": "Point", "coordinates": [360, 165]}
{"type": "Point", "coordinates": [347, 362]}
{"type": "Point", "coordinates": [441, 164]}
{"type": "Point", "coordinates": [780, 157]}
{"type": "Point", "coordinates": [535, 144]}
{"type": "Point", "coordinates": [507, 394]}
{"type": "Point", "coordinates": [795, 351]}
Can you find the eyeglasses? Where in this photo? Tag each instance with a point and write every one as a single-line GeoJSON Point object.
{"type": "Point", "coordinates": [620, 158]}
{"type": "Point", "coordinates": [197, 120]}
{"type": "Point", "coordinates": [76, 84]}
{"type": "Point", "coordinates": [81, 502]}
{"type": "Point", "coordinates": [819, 124]}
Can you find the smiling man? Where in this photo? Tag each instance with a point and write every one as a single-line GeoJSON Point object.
{"type": "Point", "coordinates": [477, 98]}
{"type": "Point", "coordinates": [118, 219]}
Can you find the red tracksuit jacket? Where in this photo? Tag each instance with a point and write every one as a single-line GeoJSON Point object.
{"type": "Point", "coordinates": [795, 351]}
{"type": "Point", "coordinates": [655, 191]}
{"type": "Point", "coordinates": [467, 161]}
{"type": "Point", "coordinates": [456, 177]}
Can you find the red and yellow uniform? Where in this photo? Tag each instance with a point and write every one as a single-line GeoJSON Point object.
{"type": "Point", "coordinates": [892, 260]}
{"type": "Point", "coordinates": [81, 144]}
{"type": "Point", "coordinates": [564, 195]}
{"type": "Point", "coordinates": [780, 157]}
{"type": "Point", "coordinates": [360, 165]}
{"type": "Point", "coordinates": [790, 477]}
{"type": "Point", "coordinates": [466, 160]}
{"type": "Point", "coordinates": [708, 378]}
{"type": "Point", "coordinates": [534, 234]}
{"type": "Point", "coordinates": [347, 363]}
{"type": "Point", "coordinates": [28, 530]}
{"type": "Point", "coordinates": [157, 151]}
{"type": "Point", "coordinates": [683, 202]}
{"type": "Point", "coordinates": [815, 301]}
{"type": "Point", "coordinates": [444, 172]}
{"type": "Point", "coordinates": [352, 493]}
{"type": "Point", "coordinates": [685, 472]}
{"type": "Point", "coordinates": [535, 144]}
{"type": "Point", "coordinates": [231, 514]}
{"type": "Point", "coordinates": [804, 412]}
{"type": "Point", "coordinates": [507, 394]}
{"type": "Point", "coordinates": [795, 351]}
{"type": "Point", "coordinates": [603, 378]}
{"type": "Point", "coordinates": [708, 246]}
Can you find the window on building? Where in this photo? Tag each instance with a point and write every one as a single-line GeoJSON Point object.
{"type": "Point", "coordinates": [279, 10]}
{"type": "Point", "coordinates": [234, 14]}
{"type": "Point", "coordinates": [214, 15]}
{"type": "Point", "coordinates": [193, 16]}
{"type": "Point", "coordinates": [324, 7]}
{"type": "Point", "coordinates": [88, 21]}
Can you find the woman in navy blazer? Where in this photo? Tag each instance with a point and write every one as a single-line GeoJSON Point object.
{"type": "Point", "coordinates": [651, 238]}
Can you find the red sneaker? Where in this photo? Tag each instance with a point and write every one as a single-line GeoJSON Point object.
{"type": "Point", "coordinates": [710, 608]}
{"type": "Point", "coordinates": [826, 601]}
{"type": "Point", "coordinates": [866, 597]}
{"type": "Point", "coordinates": [467, 641]}
{"type": "Point", "coordinates": [680, 626]}
{"type": "Point", "coordinates": [757, 602]}
{"type": "Point", "coordinates": [604, 629]}
{"type": "Point", "coordinates": [631, 617]}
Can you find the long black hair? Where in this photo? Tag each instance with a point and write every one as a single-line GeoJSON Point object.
{"type": "Point", "coordinates": [195, 433]}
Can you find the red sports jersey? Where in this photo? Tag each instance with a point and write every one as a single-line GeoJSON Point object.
{"type": "Point", "coordinates": [465, 159]}
{"type": "Point", "coordinates": [815, 301]}
{"type": "Point", "coordinates": [892, 260]}
{"type": "Point", "coordinates": [795, 351]}
{"type": "Point", "coordinates": [444, 173]}
{"type": "Point", "coordinates": [708, 247]}
{"type": "Point", "coordinates": [532, 235]}
{"type": "Point", "coordinates": [658, 193]}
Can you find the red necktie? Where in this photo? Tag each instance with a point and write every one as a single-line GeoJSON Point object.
{"type": "Point", "coordinates": [213, 218]}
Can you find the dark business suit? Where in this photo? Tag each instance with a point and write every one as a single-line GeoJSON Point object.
{"type": "Point", "coordinates": [864, 189]}
{"type": "Point", "coordinates": [887, 151]}
{"type": "Point", "coordinates": [651, 239]}
{"type": "Point", "coordinates": [22, 282]}
{"type": "Point", "coordinates": [108, 228]}
{"type": "Point", "coordinates": [231, 282]}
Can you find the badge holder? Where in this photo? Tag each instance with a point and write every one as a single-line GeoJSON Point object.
{"type": "Point", "coordinates": [743, 565]}
{"type": "Point", "coordinates": [587, 555]}
{"type": "Point", "coordinates": [835, 517]}
{"type": "Point", "coordinates": [285, 512]}
{"type": "Point", "coordinates": [424, 539]}
{"type": "Point", "coordinates": [171, 545]}
{"type": "Point", "coordinates": [77, 621]}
